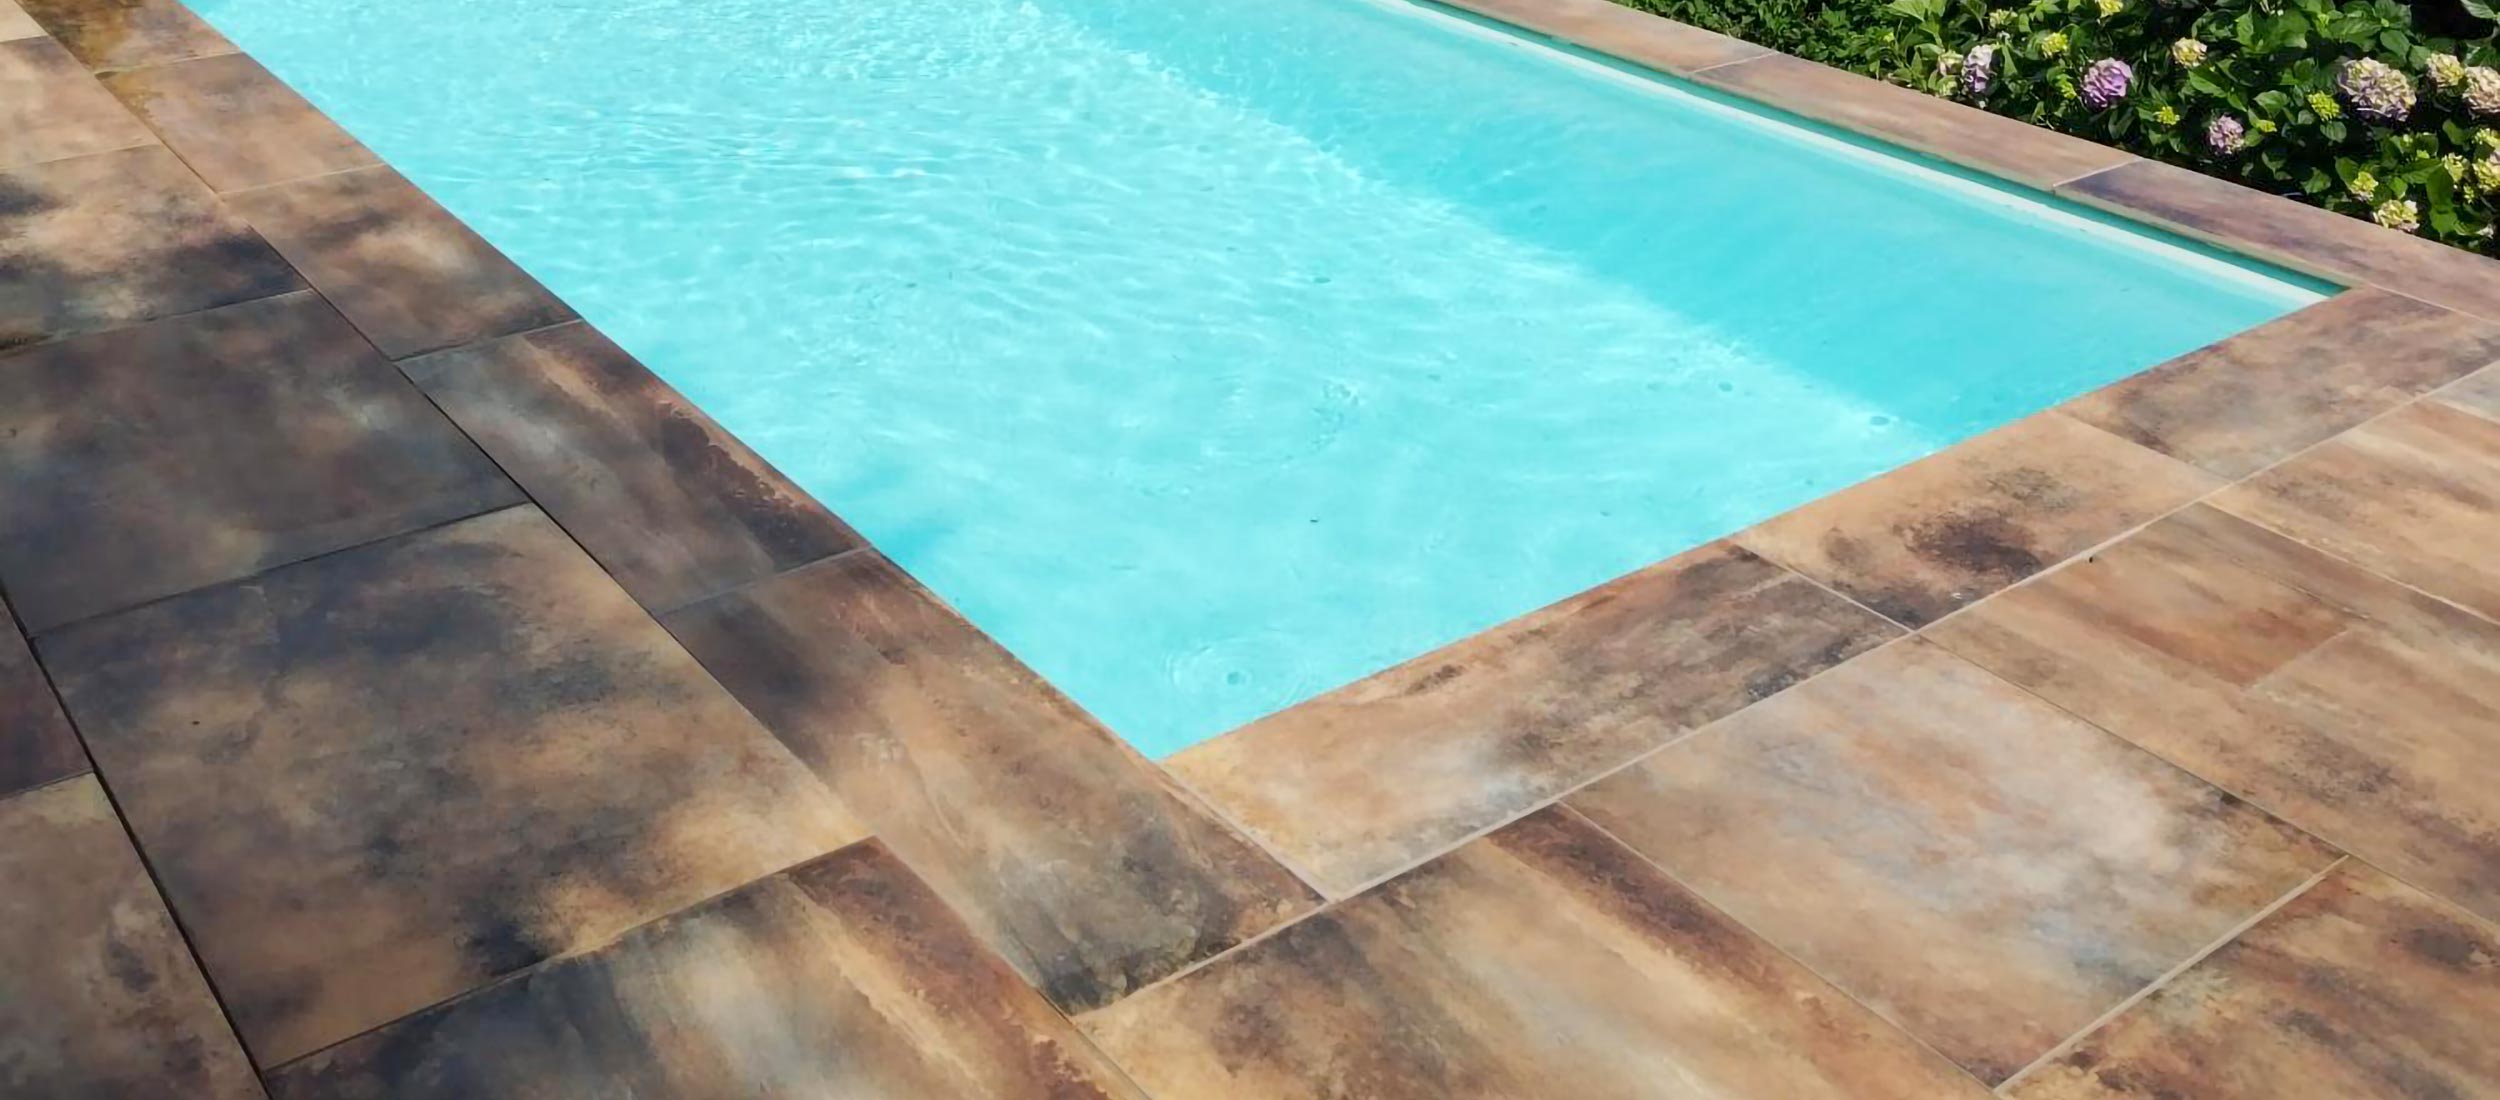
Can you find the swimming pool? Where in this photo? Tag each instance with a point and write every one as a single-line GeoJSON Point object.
{"type": "Point", "coordinates": [1212, 356]}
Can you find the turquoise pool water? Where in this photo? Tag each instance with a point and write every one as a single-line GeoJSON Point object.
{"type": "Point", "coordinates": [1210, 356]}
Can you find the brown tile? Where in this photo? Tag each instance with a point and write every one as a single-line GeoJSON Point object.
{"type": "Point", "coordinates": [674, 506]}
{"type": "Point", "coordinates": [2253, 400]}
{"type": "Point", "coordinates": [1071, 855]}
{"type": "Point", "coordinates": [377, 779]}
{"type": "Point", "coordinates": [116, 238]}
{"type": "Point", "coordinates": [2295, 234]}
{"type": "Point", "coordinates": [2358, 988]}
{"type": "Point", "coordinates": [2479, 393]}
{"type": "Point", "coordinates": [122, 34]}
{"type": "Point", "coordinates": [16, 24]}
{"type": "Point", "coordinates": [1981, 867]}
{"type": "Point", "coordinates": [1615, 30]}
{"type": "Point", "coordinates": [98, 996]}
{"type": "Point", "coordinates": [51, 108]}
{"type": "Point", "coordinates": [1540, 961]}
{"type": "Point", "coordinates": [846, 978]}
{"type": "Point", "coordinates": [401, 267]}
{"type": "Point", "coordinates": [36, 745]}
{"type": "Point", "coordinates": [1930, 537]}
{"type": "Point", "coordinates": [235, 124]}
{"type": "Point", "coordinates": [1941, 128]}
{"type": "Point", "coordinates": [1376, 777]}
{"type": "Point", "coordinates": [2349, 705]}
{"type": "Point", "coordinates": [2414, 495]}
{"type": "Point", "coordinates": [152, 460]}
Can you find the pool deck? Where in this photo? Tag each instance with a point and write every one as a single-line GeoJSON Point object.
{"type": "Point", "coordinates": [410, 695]}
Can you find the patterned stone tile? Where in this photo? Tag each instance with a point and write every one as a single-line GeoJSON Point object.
{"type": "Point", "coordinates": [98, 996]}
{"type": "Point", "coordinates": [674, 506]}
{"type": "Point", "coordinates": [2414, 495]}
{"type": "Point", "coordinates": [2253, 400]}
{"type": "Point", "coordinates": [383, 777]}
{"type": "Point", "coordinates": [2351, 706]}
{"type": "Point", "coordinates": [116, 238]}
{"type": "Point", "coordinates": [15, 23]}
{"type": "Point", "coordinates": [130, 473]}
{"type": "Point", "coordinates": [1926, 539]}
{"type": "Point", "coordinates": [122, 34]}
{"type": "Point", "coordinates": [2360, 987]}
{"type": "Point", "coordinates": [1981, 867]}
{"type": "Point", "coordinates": [1542, 961]}
{"type": "Point", "coordinates": [846, 977]}
{"type": "Point", "coordinates": [1378, 776]}
{"type": "Point", "coordinates": [401, 267]}
{"type": "Point", "coordinates": [1615, 30]}
{"type": "Point", "coordinates": [1072, 856]}
{"type": "Point", "coordinates": [50, 108]}
{"type": "Point", "coordinates": [235, 124]}
{"type": "Point", "coordinates": [36, 744]}
{"type": "Point", "coordinates": [2479, 393]}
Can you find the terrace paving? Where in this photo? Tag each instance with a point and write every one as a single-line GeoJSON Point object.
{"type": "Point", "coordinates": [404, 693]}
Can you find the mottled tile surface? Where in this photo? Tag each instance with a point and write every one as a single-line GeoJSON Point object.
{"type": "Point", "coordinates": [1610, 28]}
{"type": "Point", "coordinates": [2414, 495]}
{"type": "Point", "coordinates": [397, 264]}
{"type": "Point", "coordinates": [1924, 540]}
{"type": "Point", "coordinates": [2350, 705]}
{"type": "Point", "coordinates": [36, 744]}
{"type": "Point", "coordinates": [121, 34]}
{"type": "Point", "coordinates": [1979, 866]}
{"type": "Point", "coordinates": [674, 506]}
{"type": "Point", "coordinates": [844, 978]}
{"type": "Point", "coordinates": [383, 777]}
{"type": "Point", "coordinates": [1542, 961]}
{"type": "Point", "coordinates": [2479, 393]}
{"type": "Point", "coordinates": [1376, 777]}
{"type": "Point", "coordinates": [156, 459]}
{"type": "Point", "coordinates": [15, 23]}
{"type": "Point", "coordinates": [50, 107]}
{"type": "Point", "coordinates": [2251, 401]}
{"type": "Point", "coordinates": [2360, 987]}
{"type": "Point", "coordinates": [98, 996]}
{"type": "Point", "coordinates": [98, 241]}
{"type": "Point", "coordinates": [235, 124]}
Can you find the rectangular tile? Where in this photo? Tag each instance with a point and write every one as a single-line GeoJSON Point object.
{"type": "Point", "coordinates": [235, 124]}
{"type": "Point", "coordinates": [51, 108]}
{"type": "Point", "coordinates": [2479, 393]}
{"type": "Point", "coordinates": [1981, 867]}
{"type": "Point", "coordinates": [2251, 401]}
{"type": "Point", "coordinates": [1071, 855]}
{"type": "Point", "coordinates": [98, 996]}
{"type": "Point", "coordinates": [1376, 777]}
{"type": "Point", "coordinates": [1617, 31]}
{"type": "Point", "coordinates": [36, 743]}
{"type": "Point", "coordinates": [381, 778]}
{"type": "Point", "coordinates": [122, 34]}
{"type": "Point", "coordinates": [1922, 541]}
{"type": "Point", "coordinates": [151, 460]}
{"type": "Point", "coordinates": [15, 23]}
{"type": "Point", "coordinates": [401, 267]}
{"type": "Point", "coordinates": [674, 506]}
{"type": "Point", "coordinates": [1540, 961]}
{"type": "Point", "coordinates": [845, 978]}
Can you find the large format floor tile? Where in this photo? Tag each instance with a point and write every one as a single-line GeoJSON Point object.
{"type": "Point", "coordinates": [98, 996]}
{"type": "Point", "coordinates": [51, 108]}
{"type": "Point", "coordinates": [2359, 988]}
{"type": "Point", "coordinates": [16, 24]}
{"type": "Point", "coordinates": [1980, 866]}
{"type": "Point", "coordinates": [2347, 704]}
{"type": "Point", "coordinates": [1542, 961]}
{"type": "Point", "coordinates": [36, 745]}
{"type": "Point", "coordinates": [125, 475]}
{"type": "Point", "coordinates": [1072, 856]}
{"type": "Point", "coordinates": [1379, 776]}
{"type": "Point", "coordinates": [235, 124]}
{"type": "Point", "coordinates": [844, 978]}
{"type": "Point", "coordinates": [122, 34]}
{"type": "Point", "coordinates": [2479, 393]}
{"type": "Point", "coordinates": [386, 776]}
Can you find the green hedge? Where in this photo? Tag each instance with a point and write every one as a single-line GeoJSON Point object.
{"type": "Point", "coordinates": [2372, 108]}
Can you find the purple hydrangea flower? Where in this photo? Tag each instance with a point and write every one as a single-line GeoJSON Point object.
{"type": "Point", "coordinates": [2375, 90]}
{"type": "Point", "coordinates": [1979, 70]}
{"type": "Point", "coordinates": [2226, 135]}
{"type": "Point", "coordinates": [2106, 82]}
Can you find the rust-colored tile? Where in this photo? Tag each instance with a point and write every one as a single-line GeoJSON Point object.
{"type": "Point", "coordinates": [122, 34]}
{"type": "Point", "coordinates": [235, 124]}
{"type": "Point", "coordinates": [383, 777]}
{"type": "Point", "coordinates": [2414, 495]}
{"type": "Point", "coordinates": [16, 24]}
{"type": "Point", "coordinates": [156, 459]}
{"type": "Point", "coordinates": [401, 267]}
{"type": "Point", "coordinates": [846, 978]}
{"type": "Point", "coordinates": [1072, 856]}
{"type": "Point", "coordinates": [2479, 393]}
{"type": "Point", "coordinates": [1542, 961]}
{"type": "Point", "coordinates": [98, 996]}
{"type": "Point", "coordinates": [1926, 539]}
{"type": "Point", "coordinates": [1615, 30]}
{"type": "Point", "coordinates": [1378, 776]}
{"type": "Point", "coordinates": [2360, 987]}
{"type": "Point", "coordinates": [51, 108]}
{"type": "Point", "coordinates": [2351, 706]}
{"type": "Point", "coordinates": [36, 744]}
{"type": "Point", "coordinates": [674, 506]}
{"type": "Point", "coordinates": [2253, 400]}
{"type": "Point", "coordinates": [1981, 867]}
{"type": "Point", "coordinates": [117, 238]}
